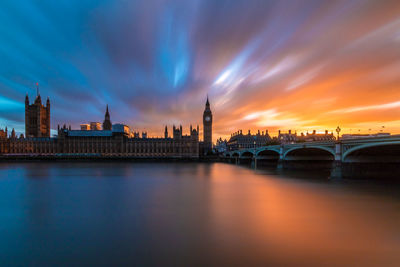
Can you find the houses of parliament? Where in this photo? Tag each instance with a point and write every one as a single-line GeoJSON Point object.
{"type": "Point", "coordinates": [100, 139]}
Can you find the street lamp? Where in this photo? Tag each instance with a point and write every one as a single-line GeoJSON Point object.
{"type": "Point", "coordinates": [338, 131]}
{"type": "Point", "coordinates": [255, 156]}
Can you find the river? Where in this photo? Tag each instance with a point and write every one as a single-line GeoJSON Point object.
{"type": "Point", "coordinates": [193, 214]}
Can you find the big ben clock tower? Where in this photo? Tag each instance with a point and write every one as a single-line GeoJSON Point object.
{"type": "Point", "coordinates": [207, 127]}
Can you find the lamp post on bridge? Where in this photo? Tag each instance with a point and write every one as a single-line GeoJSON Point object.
{"type": "Point", "coordinates": [337, 164]}
{"type": "Point", "coordinates": [255, 156]}
{"type": "Point", "coordinates": [338, 131]}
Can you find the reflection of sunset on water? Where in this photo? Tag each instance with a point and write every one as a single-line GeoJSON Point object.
{"type": "Point", "coordinates": [292, 221]}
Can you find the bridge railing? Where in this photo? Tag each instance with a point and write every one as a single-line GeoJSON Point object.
{"type": "Point", "coordinates": [331, 144]}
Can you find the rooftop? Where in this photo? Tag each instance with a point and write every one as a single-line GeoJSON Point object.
{"type": "Point", "coordinates": [93, 133]}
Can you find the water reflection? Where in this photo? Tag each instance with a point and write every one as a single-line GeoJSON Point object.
{"type": "Point", "coordinates": [189, 213]}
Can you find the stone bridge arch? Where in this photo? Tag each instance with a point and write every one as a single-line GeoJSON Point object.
{"type": "Point", "coordinates": [235, 154]}
{"type": "Point", "coordinates": [310, 153]}
{"type": "Point", "coordinates": [268, 151]}
{"type": "Point", "coordinates": [247, 154]}
{"type": "Point", "coordinates": [268, 156]}
{"type": "Point", "coordinates": [373, 152]}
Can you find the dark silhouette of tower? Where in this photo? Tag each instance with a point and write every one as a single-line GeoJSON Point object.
{"type": "Point", "coordinates": [207, 127]}
{"type": "Point", "coordinates": [107, 122]}
{"type": "Point", "coordinates": [166, 132]}
{"type": "Point", "coordinates": [37, 117]}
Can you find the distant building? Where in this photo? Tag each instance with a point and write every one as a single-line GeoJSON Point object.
{"type": "Point", "coordinates": [111, 141]}
{"type": "Point", "coordinates": [239, 140]}
{"type": "Point", "coordinates": [358, 136]}
{"type": "Point", "coordinates": [85, 127]}
{"type": "Point", "coordinates": [287, 138]}
{"type": "Point", "coordinates": [121, 128]}
{"type": "Point", "coordinates": [37, 117]}
{"type": "Point", "coordinates": [221, 146]}
{"type": "Point", "coordinates": [95, 126]}
{"type": "Point", "coordinates": [314, 136]}
{"type": "Point", "coordinates": [291, 138]}
{"type": "Point", "coordinates": [3, 133]}
{"type": "Point", "coordinates": [104, 143]}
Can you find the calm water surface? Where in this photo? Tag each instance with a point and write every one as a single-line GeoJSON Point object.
{"type": "Point", "coordinates": [192, 214]}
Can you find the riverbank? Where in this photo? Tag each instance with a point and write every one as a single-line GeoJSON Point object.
{"type": "Point", "coordinates": [97, 158]}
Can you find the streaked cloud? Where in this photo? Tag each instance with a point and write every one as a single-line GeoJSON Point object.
{"type": "Point", "coordinates": [298, 64]}
{"type": "Point", "coordinates": [371, 107]}
{"type": "Point", "coordinates": [273, 118]}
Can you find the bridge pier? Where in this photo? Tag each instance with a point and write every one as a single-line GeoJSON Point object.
{"type": "Point", "coordinates": [338, 151]}
{"type": "Point", "coordinates": [254, 163]}
{"type": "Point", "coordinates": [280, 164]}
{"type": "Point", "coordinates": [336, 172]}
{"type": "Point", "coordinates": [281, 158]}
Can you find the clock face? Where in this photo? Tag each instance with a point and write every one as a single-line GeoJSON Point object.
{"type": "Point", "coordinates": [207, 118]}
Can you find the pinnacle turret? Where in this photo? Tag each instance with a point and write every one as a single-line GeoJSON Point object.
{"type": "Point", "coordinates": [107, 121]}
{"type": "Point", "coordinates": [107, 113]}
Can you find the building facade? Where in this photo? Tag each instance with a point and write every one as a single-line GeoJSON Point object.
{"type": "Point", "coordinates": [221, 146]}
{"type": "Point", "coordinates": [95, 126]}
{"type": "Point", "coordinates": [114, 141]}
{"type": "Point", "coordinates": [103, 143]}
{"type": "Point", "coordinates": [291, 138]}
{"type": "Point", "coordinates": [239, 140]}
{"type": "Point", "coordinates": [85, 127]}
{"type": "Point", "coordinates": [358, 136]}
{"type": "Point", "coordinates": [37, 117]}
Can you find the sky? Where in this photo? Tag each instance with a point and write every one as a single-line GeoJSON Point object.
{"type": "Point", "coordinates": [299, 65]}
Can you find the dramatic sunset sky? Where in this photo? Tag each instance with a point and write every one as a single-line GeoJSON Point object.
{"type": "Point", "coordinates": [299, 65]}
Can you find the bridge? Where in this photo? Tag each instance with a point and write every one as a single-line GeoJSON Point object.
{"type": "Point", "coordinates": [366, 151]}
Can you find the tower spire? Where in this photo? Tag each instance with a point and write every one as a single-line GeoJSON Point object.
{"type": "Point", "coordinates": [37, 89]}
{"type": "Point", "coordinates": [107, 125]}
{"type": "Point", "coordinates": [207, 127]}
